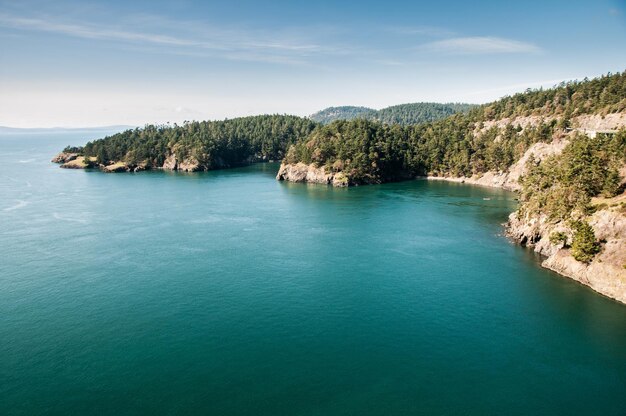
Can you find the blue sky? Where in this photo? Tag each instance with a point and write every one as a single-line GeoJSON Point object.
{"type": "Point", "coordinates": [83, 63]}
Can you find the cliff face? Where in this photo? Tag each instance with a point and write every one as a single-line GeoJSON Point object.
{"type": "Point", "coordinates": [509, 179]}
{"type": "Point", "coordinates": [78, 162]}
{"type": "Point", "coordinates": [606, 273]}
{"type": "Point", "coordinates": [189, 164]}
{"type": "Point", "coordinates": [64, 157]}
{"type": "Point", "coordinates": [300, 172]}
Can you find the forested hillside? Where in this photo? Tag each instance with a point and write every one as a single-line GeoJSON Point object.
{"type": "Point", "coordinates": [577, 130]}
{"type": "Point", "coordinates": [346, 112]}
{"type": "Point", "coordinates": [403, 114]}
{"type": "Point", "coordinates": [463, 144]}
{"type": "Point", "coordinates": [204, 145]}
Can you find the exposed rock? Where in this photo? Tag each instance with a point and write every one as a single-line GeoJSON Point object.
{"type": "Point", "coordinates": [605, 278]}
{"type": "Point", "coordinates": [521, 121]}
{"type": "Point", "coordinates": [510, 179]}
{"type": "Point", "coordinates": [539, 151]}
{"type": "Point", "coordinates": [605, 274]}
{"type": "Point", "coordinates": [489, 179]}
{"type": "Point", "coordinates": [599, 123]}
{"type": "Point", "coordinates": [301, 172]}
{"type": "Point", "coordinates": [189, 164]}
{"type": "Point", "coordinates": [170, 162]}
{"type": "Point", "coordinates": [141, 166]}
{"type": "Point", "coordinates": [77, 163]}
{"type": "Point", "coordinates": [64, 157]}
{"type": "Point", "coordinates": [586, 123]}
{"type": "Point", "coordinates": [116, 167]}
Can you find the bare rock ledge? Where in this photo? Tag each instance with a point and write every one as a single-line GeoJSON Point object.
{"type": "Point", "coordinates": [301, 172]}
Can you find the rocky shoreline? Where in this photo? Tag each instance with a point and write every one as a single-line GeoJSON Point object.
{"type": "Point", "coordinates": [171, 163]}
{"type": "Point", "coordinates": [300, 172]}
{"type": "Point", "coordinates": [605, 274]}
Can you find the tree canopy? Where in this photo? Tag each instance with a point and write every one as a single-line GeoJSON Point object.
{"type": "Point", "coordinates": [403, 114]}
{"type": "Point", "coordinates": [213, 144]}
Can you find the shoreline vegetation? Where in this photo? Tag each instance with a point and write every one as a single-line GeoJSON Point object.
{"type": "Point", "coordinates": [562, 149]}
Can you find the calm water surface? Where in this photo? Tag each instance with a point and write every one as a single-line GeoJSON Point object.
{"type": "Point", "coordinates": [230, 293]}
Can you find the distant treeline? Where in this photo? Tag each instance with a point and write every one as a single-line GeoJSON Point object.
{"type": "Point", "coordinates": [213, 144]}
{"type": "Point", "coordinates": [403, 114]}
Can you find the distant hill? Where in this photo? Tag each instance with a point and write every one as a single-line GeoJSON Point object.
{"type": "Point", "coordinates": [403, 114]}
{"type": "Point", "coordinates": [346, 112]}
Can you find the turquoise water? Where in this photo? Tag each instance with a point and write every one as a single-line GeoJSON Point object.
{"type": "Point", "coordinates": [230, 293]}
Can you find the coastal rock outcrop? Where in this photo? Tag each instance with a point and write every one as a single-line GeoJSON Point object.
{"type": "Point", "coordinates": [170, 162]}
{"type": "Point", "coordinates": [509, 179]}
{"type": "Point", "coordinates": [117, 167]}
{"type": "Point", "coordinates": [64, 157]}
{"type": "Point", "coordinates": [606, 273]}
{"type": "Point", "coordinates": [79, 162]}
{"type": "Point", "coordinates": [300, 172]}
{"type": "Point", "coordinates": [189, 164]}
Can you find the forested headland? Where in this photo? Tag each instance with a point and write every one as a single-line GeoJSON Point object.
{"type": "Point", "coordinates": [197, 145]}
{"type": "Point", "coordinates": [463, 144]}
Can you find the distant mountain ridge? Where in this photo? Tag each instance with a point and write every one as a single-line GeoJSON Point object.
{"type": "Point", "coordinates": [403, 114]}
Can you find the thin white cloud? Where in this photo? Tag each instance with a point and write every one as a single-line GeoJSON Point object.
{"type": "Point", "coordinates": [431, 31]}
{"type": "Point", "coordinates": [230, 45]}
{"type": "Point", "coordinates": [479, 45]}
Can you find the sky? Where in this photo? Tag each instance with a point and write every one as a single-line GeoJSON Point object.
{"type": "Point", "coordinates": [94, 63]}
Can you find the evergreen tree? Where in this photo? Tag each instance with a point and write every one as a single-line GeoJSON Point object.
{"type": "Point", "coordinates": [584, 244]}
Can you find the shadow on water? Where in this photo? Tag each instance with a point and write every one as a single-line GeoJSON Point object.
{"type": "Point", "coordinates": [492, 205]}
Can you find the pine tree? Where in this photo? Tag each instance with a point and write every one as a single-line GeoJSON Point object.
{"type": "Point", "coordinates": [584, 245]}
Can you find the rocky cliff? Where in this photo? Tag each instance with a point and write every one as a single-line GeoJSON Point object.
{"type": "Point", "coordinates": [509, 179]}
{"type": "Point", "coordinates": [606, 273]}
{"type": "Point", "coordinates": [188, 164]}
{"type": "Point", "coordinates": [300, 172]}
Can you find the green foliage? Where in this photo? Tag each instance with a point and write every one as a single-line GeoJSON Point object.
{"type": "Point", "coordinates": [584, 244]}
{"type": "Point", "coordinates": [368, 152]}
{"type": "Point", "coordinates": [611, 183]}
{"type": "Point", "coordinates": [403, 114]}
{"type": "Point", "coordinates": [465, 144]}
{"type": "Point", "coordinates": [73, 149]}
{"type": "Point", "coordinates": [213, 144]}
{"type": "Point", "coordinates": [330, 114]}
{"type": "Point", "coordinates": [377, 152]}
{"type": "Point", "coordinates": [603, 94]}
{"type": "Point", "coordinates": [565, 184]}
{"type": "Point", "coordinates": [558, 237]}
{"type": "Point", "coordinates": [101, 155]}
{"type": "Point", "coordinates": [383, 149]}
